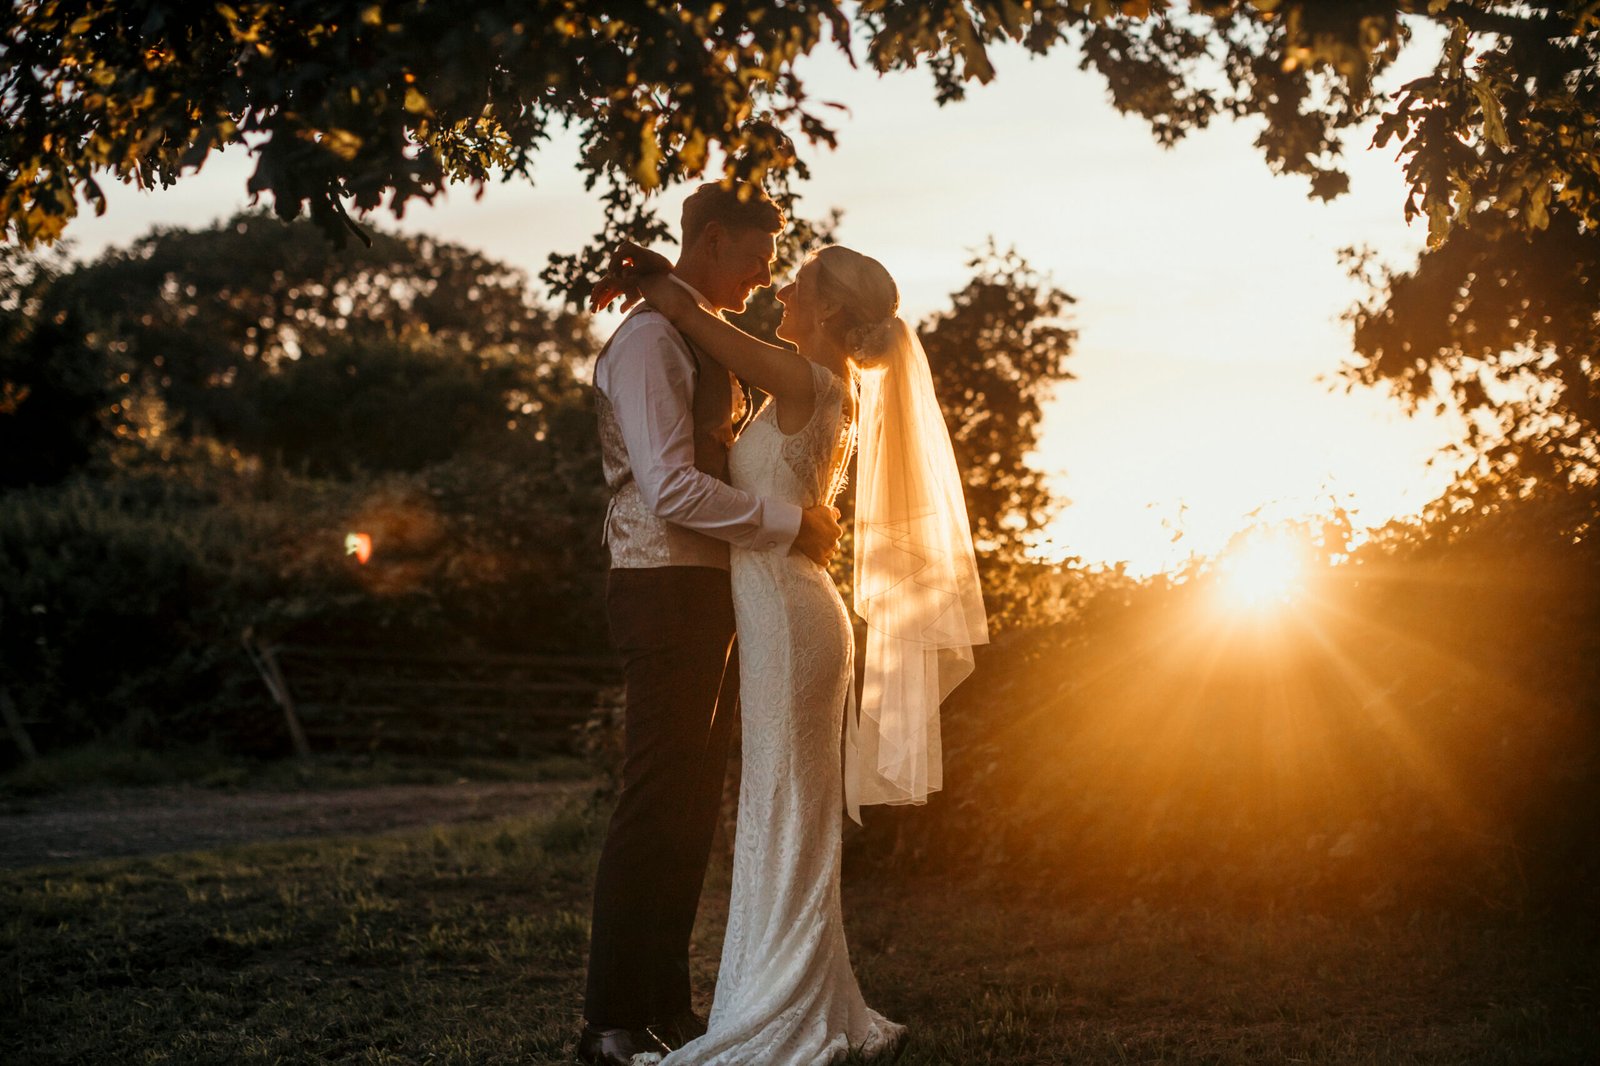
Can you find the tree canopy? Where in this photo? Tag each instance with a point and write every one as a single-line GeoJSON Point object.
{"type": "Point", "coordinates": [355, 101]}
{"type": "Point", "coordinates": [364, 104]}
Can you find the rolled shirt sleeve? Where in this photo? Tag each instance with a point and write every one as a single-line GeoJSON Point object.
{"type": "Point", "coordinates": [648, 375]}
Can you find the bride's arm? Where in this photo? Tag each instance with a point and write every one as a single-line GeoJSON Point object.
{"type": "Point", "coordinates": [781, 372]}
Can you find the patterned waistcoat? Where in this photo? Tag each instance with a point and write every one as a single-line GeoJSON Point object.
{"type": "Point", "coordinates": [636, 537]}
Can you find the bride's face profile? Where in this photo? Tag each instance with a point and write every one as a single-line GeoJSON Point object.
{"type": "Point", "coordinates": [799, 320]}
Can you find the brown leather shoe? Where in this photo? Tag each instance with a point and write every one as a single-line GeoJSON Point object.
{"type": "Point", "coordinates": [616, 1047]}
{"type": "Point", "coordinates": [679, 1029]}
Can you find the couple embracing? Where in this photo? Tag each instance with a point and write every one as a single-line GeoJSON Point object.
{"type": "Point", "coordinates": [709, 534]}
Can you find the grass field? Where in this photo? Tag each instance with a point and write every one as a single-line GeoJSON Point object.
{"type": "Point", "coordinates": [109, 765]}
{"type": "Point", "coordinates": [467, 945]}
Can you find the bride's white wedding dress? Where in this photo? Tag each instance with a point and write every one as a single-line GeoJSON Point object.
{"type": "Point", "coordinates": [785, 993]}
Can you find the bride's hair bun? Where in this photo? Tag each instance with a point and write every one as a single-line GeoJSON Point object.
{"type": "Point", "coordinates": [868, 300]}
{"type": "Point", "coordinates": [871, 343]}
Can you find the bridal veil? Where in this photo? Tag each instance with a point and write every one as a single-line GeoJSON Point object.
{"type": "Point", "coordinates": [916, 579]}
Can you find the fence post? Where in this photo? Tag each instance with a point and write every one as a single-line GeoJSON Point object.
{"type": "Point", "coordinates": [13, 720]}
{"type": "Point", "coordinates": [266, 665]}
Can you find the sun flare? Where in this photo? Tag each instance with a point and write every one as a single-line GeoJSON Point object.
{"type": "Point", "coordinates": [1262, 572]}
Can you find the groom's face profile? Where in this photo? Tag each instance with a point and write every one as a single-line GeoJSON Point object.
{"type": "Point", "coordinates": [742, 263]}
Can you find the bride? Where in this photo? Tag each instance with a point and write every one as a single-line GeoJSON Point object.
{"type": "Point", "coordinates": [857, 377]}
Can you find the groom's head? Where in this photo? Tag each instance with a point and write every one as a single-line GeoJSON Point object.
{"type": "Point", "coordinates": [729, 241]}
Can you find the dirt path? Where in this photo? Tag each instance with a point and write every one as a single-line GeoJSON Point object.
{"type": "Point", "coordinates": [114, 823]}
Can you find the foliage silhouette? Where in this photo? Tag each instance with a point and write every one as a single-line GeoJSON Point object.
{"type": "Point", "coordinates": [360, 101]}
{"type": "Point", "coordinates": [53, 387]}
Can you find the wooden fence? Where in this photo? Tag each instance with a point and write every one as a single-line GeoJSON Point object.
{"type": "Point", "coordinates": [344, 698]}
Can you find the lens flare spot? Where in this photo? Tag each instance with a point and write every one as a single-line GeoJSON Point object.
{"type": "Point", "coordinates": [359, 545]}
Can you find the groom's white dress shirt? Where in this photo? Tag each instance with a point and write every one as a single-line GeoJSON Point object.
{"type": "Point", "coordinates": [647, 377]}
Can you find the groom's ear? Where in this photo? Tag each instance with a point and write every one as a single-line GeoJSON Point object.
{"type": "Point", "coordinates": [711, 238]}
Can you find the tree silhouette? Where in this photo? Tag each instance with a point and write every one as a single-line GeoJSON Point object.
{"type": "Point", "coordinates": [265, 337]}
{"type": "Point", "coordinates": [53, 386]}
{"type": "Point", "coordinates": [995, 356]}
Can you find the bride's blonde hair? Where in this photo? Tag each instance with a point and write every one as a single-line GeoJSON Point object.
{"type": "Point", "coordinates": [867, 298]}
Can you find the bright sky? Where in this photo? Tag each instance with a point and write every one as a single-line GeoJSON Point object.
{"type": "Point", "coordinates": [1209, 292]}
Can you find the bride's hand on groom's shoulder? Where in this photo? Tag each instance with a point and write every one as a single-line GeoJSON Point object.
{"type": "Point", "coordinates": [638, 261]}
{"type": "Point", "coordinates": [630, 264]}
{"type": "Point", "coordinates": [608, 288]}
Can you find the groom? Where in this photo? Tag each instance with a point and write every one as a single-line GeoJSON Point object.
{"type": "Point", "coordinates": [666, 420]}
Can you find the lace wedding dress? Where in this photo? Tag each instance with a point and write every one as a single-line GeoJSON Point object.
{"type": "Point", "coordinates": [785, 994]}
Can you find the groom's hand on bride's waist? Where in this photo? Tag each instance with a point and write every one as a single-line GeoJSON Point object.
{"type": "Point", "coordinates": [818, 539]}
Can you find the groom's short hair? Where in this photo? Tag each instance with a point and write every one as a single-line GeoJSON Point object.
{"type": "Point", "coordinates": [735, 204]}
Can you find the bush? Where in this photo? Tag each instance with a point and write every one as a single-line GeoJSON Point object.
{"type": "Point", "coordinates": [113, 613]}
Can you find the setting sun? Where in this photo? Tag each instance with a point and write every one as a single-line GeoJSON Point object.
{"type": "Point", "coordinates": [1261, 572]}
